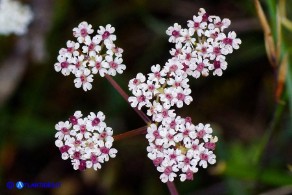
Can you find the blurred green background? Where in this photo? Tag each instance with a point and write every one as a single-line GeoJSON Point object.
{"type": "Point", "coordinates": [254, 127]}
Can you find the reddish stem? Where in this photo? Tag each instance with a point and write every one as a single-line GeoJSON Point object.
{"type": "Point", "coordinates": [171, 187]}
{"type": "Point", "coordinates": [141, 130]}
{"type": "Point", "coordinates": [126, 97]}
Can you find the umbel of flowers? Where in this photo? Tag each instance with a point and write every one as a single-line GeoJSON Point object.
{"type": "Point", "coordinates": [90, 55]}
{"type": "Point", "coordinates": [87, 141]}
{"type": "Point", "coordinates": [176, 145]}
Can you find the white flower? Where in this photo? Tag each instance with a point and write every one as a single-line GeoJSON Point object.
{"type": "Point", "coordinates": [157, 74]}
{"type": "Point", "coordinates": [174, 67]}
{"type": "Point", "coordinates": [168, 171]}
{"type": "Point", "coordinates": [206, 157]}
{"type": "Point", "coordinates": [197, 25]}
{"type": "Point", "coordinates": [154, 108]}
{"type": "Point", "coordinates": [91, 48]}
{"type": "Point", "coordinates": [187, 36]}
{"type": "Point", "coordinates": [80, 130]}
{"type": "Point", "coordinates": [113, 65]}
{"type": "Point", "coordinates": [218, 65]}
{"type": "Point", "coordinates": [164, 115]}
{"type": "Point", "coordinates": [84, 79]}
{"type": "Point", "coordinates": [117, 51]}
{"type": "Point", "coordinates": [95, 121]}
{"type": "Point", "coordinates": [204, 131]}
{"type": "Point", "coordinates": [167, 137]}
{"type": "Point", "coordinates": [182, 96]}
{"type": "Point", "coordinates": [179, 81]}
{"type": "Point", "coordinates": [152, 133]}
{"type": "Point", "coordinates": [63, 65]}
{"type": "Point", "coordinates": [14, 17]}
{"type": "Point", "coordinates": [136, 83]}
{"type": "Point", "coordinates": [71, 49]}
{"type": "Point", "coordinates": [229, 42]}
{"type": "Point", "coordinates": [141, 99]}
{"type": "Point", "coordinates": [97, 66]}
{"type": "Point", "coordinates": [217, 23]}
{"type": "Point", "coordinates": [82, 31]}
{"type": "Point", "coordinates": [63, 129]}
{"type": "Point", "coordinates": [174, 33]}
{"type": "Point", "coordinates": [201, 67]}
{"type": "Point", "coordinates": [168, 97]}
{"type": "Point", "coordinates": [106, 34]}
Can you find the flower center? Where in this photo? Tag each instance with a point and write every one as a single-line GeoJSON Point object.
{"type": "Point", "coordinates": [151, 87]}
{"type": "Point", "coordinates": [180, 96]}
{"type": "Point", "coordinates": [187, 160]}
{"type": "Point", "coordinates": [65, 131]}
{"type": "Point", "coordinates": [227, 41]}
{"type": "Point", "coordinates": [91, 46]}
{"type": "Point", "coordinates": [218, 24]}
{"type": "Point", "coordinates": [70, 49]}
{"type": "Point", "coordinates": [173, 68]}
{"type": "Point", "coordinates": [210, 145]}
{"type": "Point", "coordinates": [200, 67]}
{"type": "Point", "coordinates": [168, 96]}
{"type": "Point", "coordinates": [141, 98]}
{"type": "Point", "coordinates": [105, 35]}
{"type": "Point", "coordinates": [196, 24]}
{"type": "Point", "coordinates": [95, 122]}
{"type": "Point", "coordinates": [205, 17]}
{"type": "Point", "coordinates": [83, 32]}
{"type": "Point", "coordinates": [158, 161]}
{"type": "Point", "coordinates": [113, 65]}
{"type": "Point", "coordinates": [97, 65]}
{"type": "Point", "coordinates": [82, 129]}
{"type": "Point", "coordinates": [83, 78]}
{"type": "Point", "coordinates": [73, 120]}
{"type": "Point", "coordinates": [103, 135]}
{"type": "Point", "coordinates": [156, 134]}
{"type": "Point", "coordinates": [217, 64]}
{"type": "Point", "coordinates": [175, 33]}
{"type": "Point", "coordinates": [104, 150]}
{"type": "Point", "coordinates": [82, 165]}
{"type": "Point", "coordinates": [93, 158]}
{"type": "Point", "coordinates": [64, 148]}
{"type": "Point", "coordinates": [64, 64]}
{"type": "Point", "coordinates": [201, 134]}
{"type": "Point", "coordinates": [185, 67]}
{"type": "Point", "coordinates": [172, 124]}
{"type": "Point", "coordinates": [76, 155]}
{"type": "Point", "coordinates": [204, 156]}
{"type": "Point", "coordinates": [136, 82]}
{"type": "Point", "coordinates": [216, 51]}
{"type": "Point", "coordinates": [157, 74]}
{"type": "Point", "coordinates": [186, 132]}
{"type": "Point", "coordinates": [168, 170]}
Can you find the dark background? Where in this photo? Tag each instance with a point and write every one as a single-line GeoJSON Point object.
{"type": "Point", "coordinates": [241, 105]}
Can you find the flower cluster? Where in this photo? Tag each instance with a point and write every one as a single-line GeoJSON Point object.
{"type": "Point", "coordinates": [178, 145]}
{"type": "Point", "coordinates": [203, 46]}
{"type": "Point", "coordinates": [14, 17]}
{"type": "Point", "coordinates": [86, 141]}
{"type": "Point", "coordinates": [199, 49]}
{"type": "Point", "coordinates": [90, 55]}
